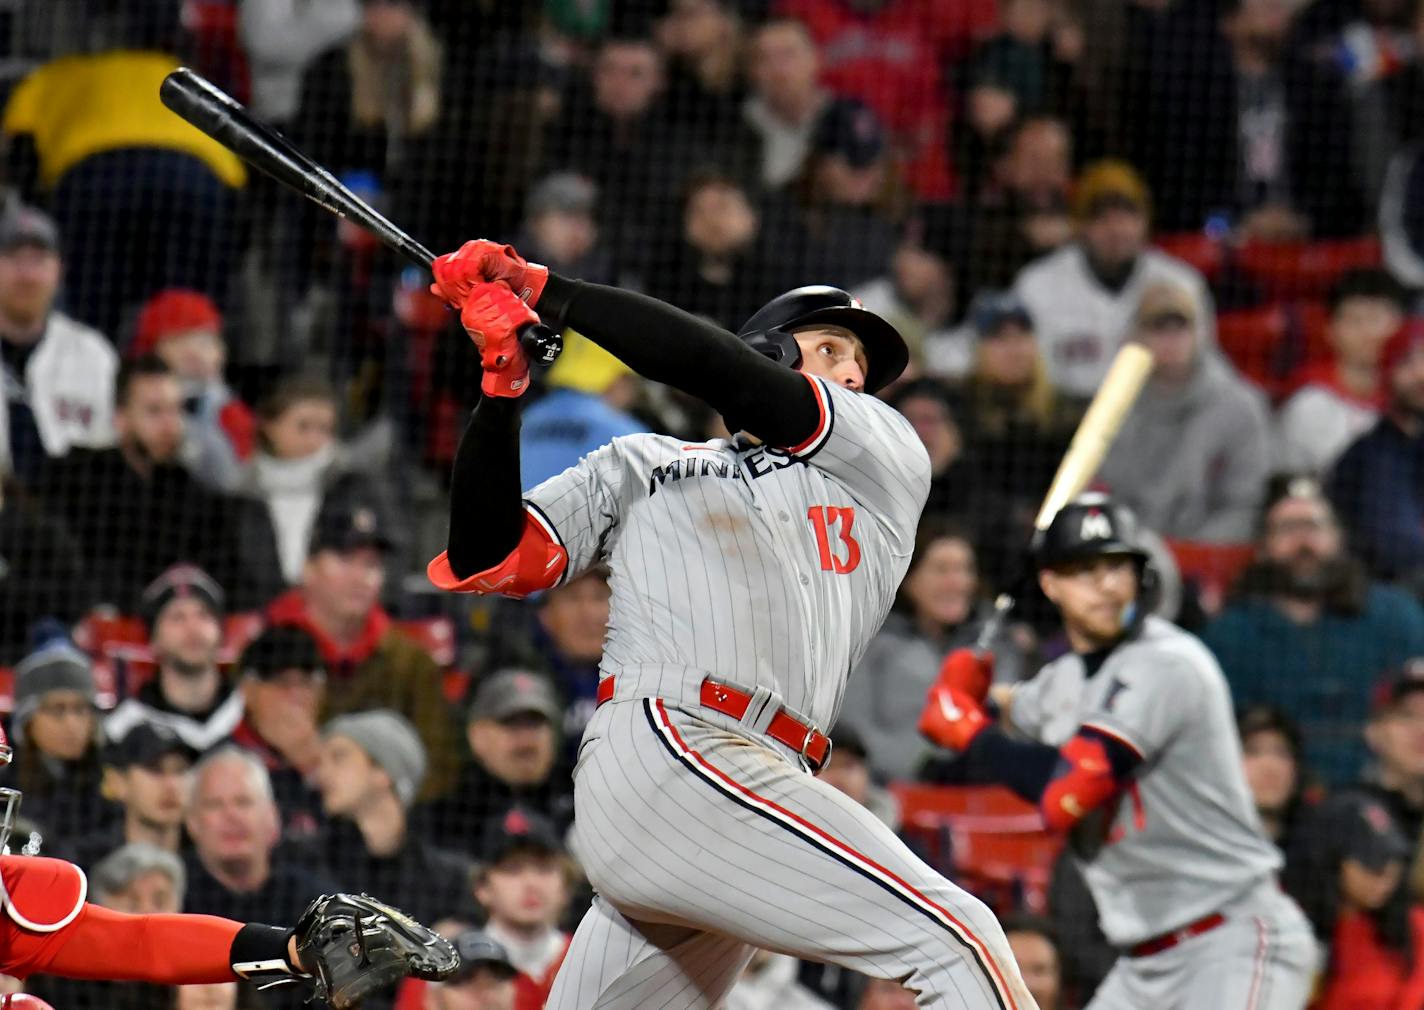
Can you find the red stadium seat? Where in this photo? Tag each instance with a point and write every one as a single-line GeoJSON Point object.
{"type": "Point", "coordinates": [238, 630]}
{"type": "Point", "coordinates": [990, 841]}
{"type": "Point", "coordinates": [1213, 567]}
{"type": "Point", "coordinates": [1252, 339]}
{"type": "Point", "coordinates": [1305, 269]}
{"type": "Point", "coordinates": [1197, 248]}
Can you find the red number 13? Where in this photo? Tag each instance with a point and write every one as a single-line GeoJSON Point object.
{"type": "Point", "coordinates": [823, 517]}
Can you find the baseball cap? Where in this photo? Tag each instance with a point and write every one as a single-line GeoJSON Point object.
{"type": "Point", "coordinates": [170, 313]}
{"type": "Point", "coordinates": [1397, 685]}
{"type": "Point", "coordinates": [28, 226]}
{"type": "Point", "coordinates": [846, 739]}
{"type": "Point", "coordinates": [477, 949]}
{"type": "Point", "coordinates": [562, 192]}
{"type": "Point", "coordinates": [992, 309]}
{"type": "Point", "coordinates": [279, 649]}
{"type": "Point", "coordinates": [390, 741]}
{"type": "Point", "coordinates": [1166, 303]}
{"type": "Point", "coordinates": [347, 524]}
{"type": "Point", "coordinates": [1109, 184]}
{"type": "Point", "coordinates": [508, 693]}
{"type": "Point", "coordinates": [851, 130]}
{"type": "Point", "coordinates": [1370, 834]}
{"type": "Point", "coordinates": [145, 746]}
{"type": "Point", "coordinates": [180, 582]}
{"type": "Point", "coordinates": [520, 830]}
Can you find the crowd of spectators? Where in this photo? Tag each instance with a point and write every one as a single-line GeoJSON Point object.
{"type": "Point", "coordinates": [228, 419]}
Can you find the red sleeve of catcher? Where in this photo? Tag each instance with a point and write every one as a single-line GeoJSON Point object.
{"type": "Point", "coordinates": [1092, 768]}
{"type": "Point", "coordinates": [103, 944]}
{"type": "Point", "coordinates": [41, 894]}
{"type": "Point", "coordinates": [536, 563]}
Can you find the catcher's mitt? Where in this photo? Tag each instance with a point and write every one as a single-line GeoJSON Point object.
{"type": "Point", "coordinates": [353, 945]}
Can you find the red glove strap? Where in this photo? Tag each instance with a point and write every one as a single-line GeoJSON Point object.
{"type": "Point", "coordinates": [494, 316]}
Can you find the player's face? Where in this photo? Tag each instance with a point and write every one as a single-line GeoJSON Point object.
{"type": "Point", "coordinates": [150, 893]}
{"type": "Point", "coordinates": [484, 990]}
{"type": "Point", "coordinates": [231, 819]}
{"type": "Point", "coordinates": [942, 584]}
{"type": "Point", "coordinates": [1397, 738]}
{"type": "Point", "coordinates": [1361, 327]}
{"type": "Point", "coordinates": [834, 354]}
{"type": "Point", "coordinates": [63, 725]}
{"type": "Point", "coordinates": [344, 585]}
{"type": "Point", "coordinates": [1270, 769]}
{"type": "Point", "coordinates": [1093, 596]}
{"type": "Point", "coordinates": [1366, 888]}
{"type": "Point", "coordinates": [525, 889]}
{"type": "Point", "coordinates": [303, 429]}
{"type": "Point", "coordinates": [345, 776]}
{"type": "Point", "coordinates": [152, 417]}
{"type": "Point", "coordinates": [29, 278]}
{"type": "Point", "coordinates": [1038, 963]}
{"type": "Point", "coordinates": [187, 635]}
{"type": "Point", "coordinates": [576, 618]}
{"type": "Point", "coordinates": [156, 796]}
{"type": "Point", "coordinates": [519, 750]}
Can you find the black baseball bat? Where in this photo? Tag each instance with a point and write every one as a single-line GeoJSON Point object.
{"type": "Point", "coordinates": [262, 146]}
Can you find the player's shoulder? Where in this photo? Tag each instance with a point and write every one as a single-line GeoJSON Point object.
{"type": "Point", "coordinates": [1162, 646]}
{"type": "Point", "coordinates": [643, 446]}
{"type": "Point", "coordinates": [40, 893]}
{"type": "Point", "coordinates": [865, 410]}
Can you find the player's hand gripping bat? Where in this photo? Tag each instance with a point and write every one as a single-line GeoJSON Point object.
{"type": "Point", "coordinates": [263, 147]}
{"type": "Point", "coordinates": [1095, 434]}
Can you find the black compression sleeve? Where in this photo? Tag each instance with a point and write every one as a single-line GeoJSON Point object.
{"type": "Point", "coordinates": [667, 345]}
{"type": "Point", "coordinates": [1025, 766]}
{"type": "Point", "coordinates": [486, 502]}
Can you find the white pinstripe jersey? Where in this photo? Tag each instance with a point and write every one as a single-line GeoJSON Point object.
{"type": "Point", "coordinates": [1183, 839]}
{"type": "Point", "coordinates": [763, 567]}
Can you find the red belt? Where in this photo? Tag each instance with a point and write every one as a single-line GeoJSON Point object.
{"type": "Point", "coordinates": [784, 728]}
{"type": "Point", "coordinates": [1169, 940]}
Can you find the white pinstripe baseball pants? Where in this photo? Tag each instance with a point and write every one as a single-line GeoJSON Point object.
{"type": "Point", "coordinates": [701, 841]}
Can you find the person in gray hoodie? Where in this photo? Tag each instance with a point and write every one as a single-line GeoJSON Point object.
{"type": "Point", "coordinates": [939, 607]}
{"type": "Point", "coordinates": [1193, 457]}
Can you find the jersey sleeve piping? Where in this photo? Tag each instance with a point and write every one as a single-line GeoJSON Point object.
{"type": "Point", "coordinates": [52, 927]}
{"type": "Point", "coordinates": [805, 450]}
{"type": "Point", "coordinates": [1119, 736]}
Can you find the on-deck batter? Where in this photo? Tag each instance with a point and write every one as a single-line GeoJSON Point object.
{"type": "Point", "coordinates": [1135, 753]}
{"type": "Point", "coordinates": [747, 577]}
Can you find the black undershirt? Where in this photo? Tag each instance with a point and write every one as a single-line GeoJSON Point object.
{"type": "Point", "coordinates": [659, 342]}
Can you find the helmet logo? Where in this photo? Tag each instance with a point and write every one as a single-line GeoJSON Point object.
{"type": "Point", "coordinates": [1095, 526]}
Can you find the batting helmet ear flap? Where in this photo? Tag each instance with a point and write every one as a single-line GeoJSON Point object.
{"type": "Point", "coordinates": [777, 344]}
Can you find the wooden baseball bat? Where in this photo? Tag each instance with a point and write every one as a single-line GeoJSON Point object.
{"type": "Point", "coordinates": [1100, 425]}
{"type": "Point", "coordinates": [262, 146]}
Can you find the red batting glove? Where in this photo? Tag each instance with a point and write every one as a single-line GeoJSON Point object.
{"type": "Point", "coordinates": [951, 718]}
{"type": "Point", "coordinates": [493, 315]}
{"type": "Point", "coordinates": [482, 261]}
{"type": "Point", "coordinates": [968, 670]}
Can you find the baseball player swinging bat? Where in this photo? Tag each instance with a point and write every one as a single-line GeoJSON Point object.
{"type": "Point", "coordinates": [1095, 434]}
{"type": "Point", "coordinates": [222, 117]}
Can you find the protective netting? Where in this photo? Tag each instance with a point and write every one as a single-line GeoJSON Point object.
{"type": "Point", "coordinates": [203, 370]}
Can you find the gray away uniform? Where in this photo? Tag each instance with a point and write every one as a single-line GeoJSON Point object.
{"type": "Point", "coordinates": [1183, 842]}
{"type": "Point", "coordinates": [769, 570]}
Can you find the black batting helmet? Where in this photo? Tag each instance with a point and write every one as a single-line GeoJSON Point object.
{"type": "Point", "coordinates": [1090, 526]}
{"type": "Point", "coordinates": [771, 330]}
